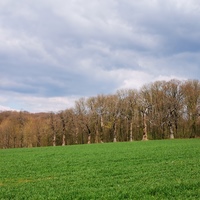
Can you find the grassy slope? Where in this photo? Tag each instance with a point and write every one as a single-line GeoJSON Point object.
{"type": "Point", "coordinates": [168, 169]}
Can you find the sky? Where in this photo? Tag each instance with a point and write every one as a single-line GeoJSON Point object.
{"type": "Point", "coordinates": [53, 52]}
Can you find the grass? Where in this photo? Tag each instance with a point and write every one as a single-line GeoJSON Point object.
{"type": "Point", "coordinates": [165, 169]}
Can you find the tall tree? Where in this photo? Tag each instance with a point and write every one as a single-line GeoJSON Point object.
{"type": "Point", "coordinates": [53, 122]}
{"type": "Point", "coordinates": [191, 93]}
{"type": "Point", "coordinates": [174, 104]}
{"type": "Point", "coordinates": [145, 105]}
{"type": "Point", "coordinates": [63, 124]}
{"type": "Point", "coordinates": [83, 117]}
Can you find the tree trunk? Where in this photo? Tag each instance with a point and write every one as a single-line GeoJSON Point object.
{"type": "Point", "coordinates": [102, 129]}
{"type": "Point", "coordinates": [97, 135]}
{"type": "Point", "coordinates": [131, 132]}
{"type": "Point", "coordinates": [76, 139]}
{"type": "Point", "coordinates": [38, 138]}
{"type": "Point", "coordinates": [63, 128]}
{"type": "Point", "coordinates": [14, 141]}
{"type": "Point", "coordinates": [89, 134]}
{"type": "Point", "coordinates": [115, 133]}
{"type": "Point", "coordinates": [145, 127]}
{"type": "Point", "coordinates": [102, 124]}
{"type": "Point", "coordinates": [171, 136]}
{"type": "Point", "coordinates": [52, 119]}
{"type": "Point", "coordinates": [89, 138]}
{"type": "Point", "coordinates": [63, 139]}
{"type": "Point", "coordinates": [193, 132]}
{"type": "Point", "coordinates": [171, 133]}
{"type": "Point", "coordinates": [54, 139]}
{"type": "Point", "coordinates": [22, 141]}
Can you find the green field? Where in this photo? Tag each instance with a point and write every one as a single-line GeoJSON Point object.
{"type": "Point", "coordinates": [165, 169]}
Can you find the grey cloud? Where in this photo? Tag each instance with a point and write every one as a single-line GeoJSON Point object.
{"type": "Point", "coordinates": [61, 48]}
{"type": "Point", "coordinates": [172, 22]}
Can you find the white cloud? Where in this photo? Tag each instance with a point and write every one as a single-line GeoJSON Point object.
{"type": "Point", "coordinates": [41, 104]}
{"type": "Point", "coordinates": [5, 108]}
{"type": "Point", "coordinates": [132, 79]}
{"type": "Point", "coordinates": [168, 78]}
{"type": "Point", "coordinates": [37, 104]}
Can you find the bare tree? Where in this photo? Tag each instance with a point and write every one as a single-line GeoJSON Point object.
{"type": "Point", "coordinates": [83, 116]}
{"type": "Point", "coordinates": [145, 104]}
{"type": "Point", "coordinates": [191, 93]}
{"type": "Point", "coordinates": [53, 126]}
{"type": "Point", "coordinates": [173, 104]}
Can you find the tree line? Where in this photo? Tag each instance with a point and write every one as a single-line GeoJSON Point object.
{"type": "Point", "coordinates": [159, 110]}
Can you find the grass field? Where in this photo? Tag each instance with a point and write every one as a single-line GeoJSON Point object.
{"type": "Point", "coordinates": [165, 169]}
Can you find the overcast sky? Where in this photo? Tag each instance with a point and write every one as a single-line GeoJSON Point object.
{"type": "Point", "coordinates": [53, 52]}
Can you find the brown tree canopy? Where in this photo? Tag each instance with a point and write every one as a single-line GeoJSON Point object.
{"type": "Point", "coordinates": [159, 110]}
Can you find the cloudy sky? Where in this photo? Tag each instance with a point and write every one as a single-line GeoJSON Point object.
{"type": "Point", "coordinates": [53, 52]}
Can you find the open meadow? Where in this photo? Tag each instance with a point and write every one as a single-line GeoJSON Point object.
{"type": "Point", "coordinates": [161, 169]}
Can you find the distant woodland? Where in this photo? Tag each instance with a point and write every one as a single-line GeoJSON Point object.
{"type": "Point", "coordinates": [159, 110]}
